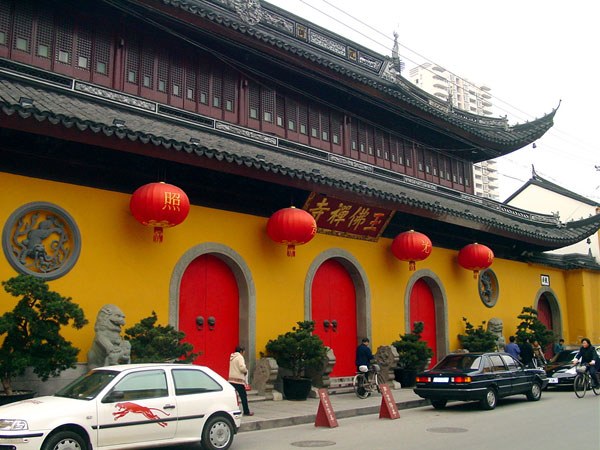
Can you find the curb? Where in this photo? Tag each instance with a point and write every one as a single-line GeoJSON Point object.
{"type": "Point", "coordinates": [310, 418]}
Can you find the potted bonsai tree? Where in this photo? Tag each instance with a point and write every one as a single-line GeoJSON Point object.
{"type": "Point", "coordinates": [531, 327]}
{"type": "Point", "coordinates": [150, 343]}
{"type": "Point", "coordinates": [413, 354]}
{"type": "Point", "coordinates": [31, 332]}
{"type": "Point", "coordinates": [477, 339]}
{"type": "Point", "coordinates": [297, 350]}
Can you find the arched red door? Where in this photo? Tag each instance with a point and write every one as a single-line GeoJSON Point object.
{"type": "Point", "coordinates": [334, 300]}
{"type": "Point", "coordinates": [422, 309]}
{"type": "Point", "coordinates": [209, 293]}
{"type": "Point", "coordinates": [545, 316]}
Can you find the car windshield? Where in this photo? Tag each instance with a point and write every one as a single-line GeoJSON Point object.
{"type": "Point", "coordinates": [88, 386]}
{"type": "Point", "coordinates": [459, 363]}
{"type": "Point", "coordinates": [564, 356]}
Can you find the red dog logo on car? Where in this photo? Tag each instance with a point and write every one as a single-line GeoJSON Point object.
{"type": "Point", "coordinates": [128, 407]}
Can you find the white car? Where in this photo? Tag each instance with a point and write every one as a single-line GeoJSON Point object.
{"type": "Point", "coordinates": [127, 406]}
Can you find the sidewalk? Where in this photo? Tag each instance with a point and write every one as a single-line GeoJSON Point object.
{"type": "Point", "coordinates": [275, 414]}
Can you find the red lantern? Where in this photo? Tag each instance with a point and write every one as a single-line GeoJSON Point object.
{"type": "Point", "coordinates": [159, 205]}
{"type": "Point", "coordinates": [475, 257]}
{"type": "Point", "coordinates": [411, 246]}
{"type": "Point", "coordinates": [291, 226]}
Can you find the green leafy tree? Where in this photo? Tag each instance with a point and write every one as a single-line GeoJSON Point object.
{"type": "Point", "coordinates": [413, 352]}
{"type": "Point", "coordinates": [298, 350]}
{"type": "Point", "coordinates": [32, 331]}
{"type": "Point", "coordinates": [531, 327]}
{"type": "Point", "coordinates": [477, 339]}
{"type": "Point", "coordinates": [151, 343]}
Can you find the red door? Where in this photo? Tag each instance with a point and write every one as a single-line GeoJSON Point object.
{"type": "Point", "coordinates": [209, 311]}
{"type": "Point", "coordinates": [545, 316]}
{"type": "Point", "coordinates": [334, 301]}
{"type": "Point", "coordinates": [422, 309]}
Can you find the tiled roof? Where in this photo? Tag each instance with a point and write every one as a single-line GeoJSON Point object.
{"type": "Point", "coordinates": [537, 180]}
{"type": "Point", "coordinates": [280, 29]}
{"type": "Point", "coordinates": [92, 109]}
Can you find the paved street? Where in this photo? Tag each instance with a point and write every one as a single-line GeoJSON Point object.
{"type": "Point", "coordinates": [558, 421]}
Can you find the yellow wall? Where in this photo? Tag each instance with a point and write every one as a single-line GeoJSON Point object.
{"type": "Point", "coordinates": [120, 264]}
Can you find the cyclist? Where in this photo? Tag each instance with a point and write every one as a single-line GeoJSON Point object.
{"type": "Point", "coordinates": [363, 356]}
{"type": "Point", "coordinates": [587, 355]}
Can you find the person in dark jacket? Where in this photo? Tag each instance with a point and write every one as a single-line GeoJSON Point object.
{"type": "Point", "coordinates": [527, 353]}
{"type": "Point", "coordinates": [587, 355]}
{"type": "Point", "coordinates": [363, 355]}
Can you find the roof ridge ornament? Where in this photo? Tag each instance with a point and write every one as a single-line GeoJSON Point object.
{"type": "Point", "coordinates": [397, 63]}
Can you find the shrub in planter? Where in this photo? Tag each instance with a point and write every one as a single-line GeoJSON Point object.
{"type": "Point", "coordinates": [150, 343]}
{"type": "Point", "coordinates": [32, 331]}
{"type": "Point", "coordinates": [413, 354]}
{"type": "Point", "coordinates": [298, 350]}
{"type": "Point", "coordinates": [531, 327]}
{"type": "Point", "coordinates": [477, 339]}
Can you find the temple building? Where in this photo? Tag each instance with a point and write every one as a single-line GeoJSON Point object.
{"type": "Point", "coordinates": [247, 110]}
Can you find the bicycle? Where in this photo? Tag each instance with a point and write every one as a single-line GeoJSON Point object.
{"type": "Point", "coordinates": [367, 382]}
{"type": "Point", "coordinates": [583, 381]}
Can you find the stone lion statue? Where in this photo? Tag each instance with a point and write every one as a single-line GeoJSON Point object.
{"type": "Point", "coordinates": [108, 347]}
{"type": "Point", "coordinates": [496, 326]}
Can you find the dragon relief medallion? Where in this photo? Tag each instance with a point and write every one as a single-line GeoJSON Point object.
{"type": "Point", "coordinates": [41, 239]}
{"type": "Point", "coordinates": [489, 288]}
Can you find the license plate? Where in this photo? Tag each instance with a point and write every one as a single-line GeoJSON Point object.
{"type": "Point", "coordinates": [441, 380]}
{"type": "Point", "coordinates": [552, 380]}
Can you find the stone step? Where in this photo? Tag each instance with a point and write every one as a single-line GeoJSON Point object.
{"type": "Point", "coordinates": [256, 398]}
{"type": "Point", "coordinates": [341, 381]}
{"type": "Point", "coordinates": [340, 390]}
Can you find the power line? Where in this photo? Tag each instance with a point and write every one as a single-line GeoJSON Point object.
{"type": "Point", "coordinates": [386, 46]}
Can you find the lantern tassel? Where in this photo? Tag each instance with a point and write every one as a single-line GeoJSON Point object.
{"type": "Point", "coordinates": [158, 235]}
{"type": "Point", "coordinates": [475, 273]}
{"type": "Point", "coordinates": [412, 266]}
{"type": "Point", "coordinates": [291, 250]}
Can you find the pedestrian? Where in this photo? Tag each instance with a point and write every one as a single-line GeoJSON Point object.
{"type": "Point", "coordinates": [538, 353]}
{"type": "Point", "coordinates": [559, 347]}
{"type": "Point", "coordinates": [527, 353]}
{"type": "Point", "coordinates": [363, 355]}
{"type": "Point", "coordinates": [237, 376]}
{"type": "Point", "coordinates": [512, 348]}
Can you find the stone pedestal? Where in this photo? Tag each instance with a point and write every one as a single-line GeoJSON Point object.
{"type": "Point", "coordinates": [264, 377]}
{"type": "Point", "coordinates": [387, 359]}
{"type": "Point", "coordinates": [320, 375]}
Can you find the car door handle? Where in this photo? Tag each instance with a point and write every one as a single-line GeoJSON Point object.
{"type": "Point", "coordinates": [169, 407]}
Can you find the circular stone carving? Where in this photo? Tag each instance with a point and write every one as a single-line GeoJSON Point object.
{"type": "Point", "coordinates": [489, 288]}
{"type": "Point", "coordinates": [41, 239]}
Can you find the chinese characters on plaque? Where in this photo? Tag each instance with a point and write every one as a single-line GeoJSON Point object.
{"type": "Point", "coordinates": [347, 219]}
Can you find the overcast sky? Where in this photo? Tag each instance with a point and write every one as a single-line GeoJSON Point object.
{"type": "Point", "coordinates": [532, 53]}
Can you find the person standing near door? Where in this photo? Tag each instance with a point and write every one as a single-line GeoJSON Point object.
{"type": "Point", "coordinates": [237, 376]}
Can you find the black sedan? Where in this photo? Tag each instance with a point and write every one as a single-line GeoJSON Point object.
{"type": "Point", "coordinates": [484, 377]}
{"type": "Point", "coordinates": [560, 370]}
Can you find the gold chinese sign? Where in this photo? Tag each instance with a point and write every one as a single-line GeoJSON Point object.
{"type": "Point", "coordinates": [347, 219]}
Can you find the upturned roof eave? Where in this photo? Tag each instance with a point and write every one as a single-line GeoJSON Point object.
{"type": "Point", "coordinates": [491, 141]}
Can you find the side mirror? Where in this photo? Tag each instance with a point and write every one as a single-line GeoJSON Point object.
{"type": "Point", "coordinates": [113, 396]}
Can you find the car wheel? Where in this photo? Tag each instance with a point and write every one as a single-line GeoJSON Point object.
{"type": "Point", "coordinates": [489, 401]}
{"type": "Point", "coordinates": [217, 434]}
{"type": "Point", "coordinates": [535, 392]}
{"type": "Point", "coordinates": [65, 440]}
{"type": "Point", "coordinates": [439, 404]}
